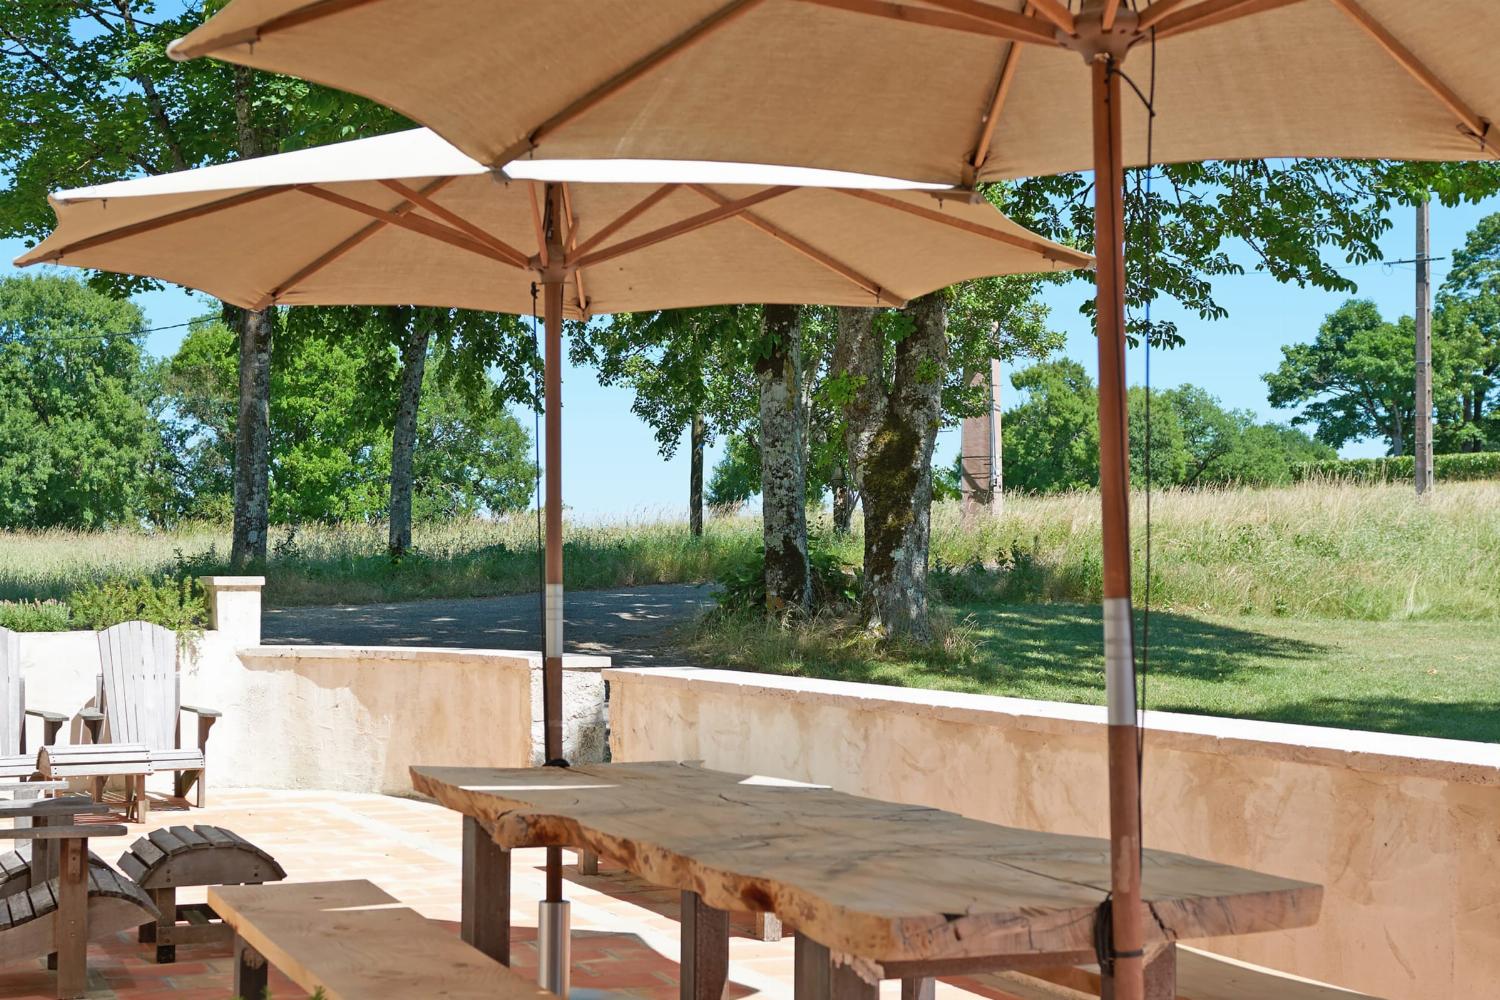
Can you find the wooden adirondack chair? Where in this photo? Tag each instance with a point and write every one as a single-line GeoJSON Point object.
{"type": "Point", "coordinates": [140, 702]}
{"type": "Point", "coordinates": [15, 762]}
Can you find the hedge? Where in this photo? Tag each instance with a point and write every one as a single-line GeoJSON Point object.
{"type": "Point", "coordinates": [1447, 468]}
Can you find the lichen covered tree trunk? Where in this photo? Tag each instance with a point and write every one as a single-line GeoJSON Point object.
{"type": "Point", "coordinates": [417, 325]}
{"type": "Point", "coordinates": [698, 437]}
{"type": "Point", "coordinates": [783, 474]}
{"type": "Point", "coordinates": [858, 352]}
{"type": "Point", "coordinates": [252, 439]}
{"type": "Point", "coordinates": [898, 478]}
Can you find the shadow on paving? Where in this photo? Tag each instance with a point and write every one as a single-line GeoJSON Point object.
{"type": "Point", "coordinates": [629, 624]}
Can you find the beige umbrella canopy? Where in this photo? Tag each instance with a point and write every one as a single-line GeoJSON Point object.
{"type": "Point", "coordinates": [406, 218]}
{"type": "Point", "coordinates": [936, 90]}
{"type": "Point", "coordinates": [932, 90]}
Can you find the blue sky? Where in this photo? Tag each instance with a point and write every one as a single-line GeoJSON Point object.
{"type": "Point", "coordinates": [613, 470]}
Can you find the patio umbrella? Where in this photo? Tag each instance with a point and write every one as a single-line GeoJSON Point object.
{"type": "Point", "coordinates": [408, 219]}
{"type": "Point", "coordinates": [941, 90]}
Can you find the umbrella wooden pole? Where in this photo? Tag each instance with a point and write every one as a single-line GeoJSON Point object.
{"type": "Point", "coordinates": [1114, 483]}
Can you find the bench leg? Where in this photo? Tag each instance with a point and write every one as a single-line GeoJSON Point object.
{"type": "Point", "coordinates": [161, 931]}
{"type": "Point", "coordinates": [815, 977]}
{"type": "Point", "coordinates": [72, 932]}
{"type": "Point", "coordinates": [485, 902]}
{"type": "Point", "coordinates": [1161, 976]}
{"type": "Point", "coordinates": [767, 926]}
{"type": "Point", "coordinates": [251, 975]}
{"type": "Point", "coordinates": [142, 804]}
{"type": "Point", "coordinates": [705, 950]}
{"type": "Point", "coordinates": [920, 988]}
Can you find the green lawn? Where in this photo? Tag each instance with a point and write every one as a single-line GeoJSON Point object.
{"type": "Point", "coordinates": [1426, 678]}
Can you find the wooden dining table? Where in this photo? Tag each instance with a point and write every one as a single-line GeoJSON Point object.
{"type": "Point", "coordinates": [874, 890]}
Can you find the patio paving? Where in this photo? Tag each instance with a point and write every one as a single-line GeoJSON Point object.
{"type": "Point", "coordinates": [625, 933]}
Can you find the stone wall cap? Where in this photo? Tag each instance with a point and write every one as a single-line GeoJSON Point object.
{"type": "Point", "coordinates": [232, 582]}
{"type": "Point", "coordinates": [418, 654]}
{"type": "Point", "coordinates": [1355, 749]}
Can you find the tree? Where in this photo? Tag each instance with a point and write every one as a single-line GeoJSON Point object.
{"type": "Point", "coordinates": [688, 369]}
{"type": "Point", "coordinates": [1467, 343]}
{"type": "Point", "coordinates": [1355, 380]}
{"type": "Point", "coordinates": [91, 96]}
{"type": "Point", "coordinates": [1052, 437]}
{"type": "Point", "coordinates": [897, 478]}
{"type": "Point", "coordinates": [78, 440]}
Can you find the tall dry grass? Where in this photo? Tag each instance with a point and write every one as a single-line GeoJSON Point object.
{"type": "Point", "coordinates": [1331, 550]}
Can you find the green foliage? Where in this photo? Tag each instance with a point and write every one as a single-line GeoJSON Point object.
{"type": "Point", "coordinates": [332, 408]}
{"type": "Point", "coordinates": [1051, 441]}
{"type": "Point", "coordinates": [34, 616]}
{"type": "Point", "coordinates": [177, 604]}
{"type": "Point", "coordinates": [1467, 344]}
{"type": "Point", "coordinates": [1453, 468]}
{"type": "Point", "coordinates": [79, 443]}
{"type": "Point", "coordinates": [740, 587]}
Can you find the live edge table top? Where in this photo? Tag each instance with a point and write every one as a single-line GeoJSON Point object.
{"type": "Point", "coordinates": [875, 880]}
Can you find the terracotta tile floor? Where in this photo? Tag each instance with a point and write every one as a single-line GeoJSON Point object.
{"type": "Point", "coordinates": [625, 933]}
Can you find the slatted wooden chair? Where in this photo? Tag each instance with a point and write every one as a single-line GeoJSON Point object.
{"type": "Point", "coordinates": [14, 761]}
{"type": "Point", "coordinates": [140, 701]}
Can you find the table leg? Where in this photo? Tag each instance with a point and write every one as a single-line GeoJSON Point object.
{"type": "Point", "coordinates": [251, 976]}
{"type": "Point", "coordinates": [485, 900]}
{"type": "Point", "coordinates": [72, 933]}
{"type": "Point", "coordinates": [705, 949]}
{"type": "Point", "coordinates": [767, 926]}
{"type": "Point", "coordinates": [1161, 976]}
{"type": "Point", "coordinates": [918, 988]}
{"type": "Point", "coordinates": [816, 977]}
{"type": "Point", "coordinates": [588, 863]}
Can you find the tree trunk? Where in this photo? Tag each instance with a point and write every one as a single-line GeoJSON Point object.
{"type": "Point", "coordinates": [857, 355]}
{"type": "Point", "coordinates": [698, 435]}
{"type": "Point", "coordinates": [404, 432]}
{"type": "Point", "coordinates": [783, 474]}
{"type": "Point", "coordinates": [252, 435]}
{"type": "Point", "coordinates": [252, 440]}
{"type": "Point", "coordinates": [898, 479]}
{"type": "Point", "coordinates": [843, 501]}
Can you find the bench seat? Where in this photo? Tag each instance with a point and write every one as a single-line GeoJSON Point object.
{"type": "Point", "coordinates": [353, 940]}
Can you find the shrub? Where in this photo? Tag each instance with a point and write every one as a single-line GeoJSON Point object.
{"type": "Point", "coordinates": [175, 604]}
{"type": "Point", "coordinates": [741, 584]}
{"type": "Point", "coordinates": [1457, 467]}
{"type": "Point", "coordinates": [34, 616]}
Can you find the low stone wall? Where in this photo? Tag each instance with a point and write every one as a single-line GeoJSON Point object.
{"type": "Point", "coordinates": [337, 717]}
{"type": "Point", "coordinates": [1403, 832]}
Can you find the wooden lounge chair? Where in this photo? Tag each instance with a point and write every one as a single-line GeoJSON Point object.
{"type": "Point", "coordinates": [65, 900]}
{"type": "Point", "coordinates": [140, 701]}
{"type": "Point", "coordinates": [15, 763]}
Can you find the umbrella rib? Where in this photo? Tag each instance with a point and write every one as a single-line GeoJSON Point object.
{"type": "Point", "coordinates": [723, 16]}
{"type": "Point", "coordinates": [1212, 12]}
{"type": "Point", "coordinates": [1063, 255]}
{"type": "Point", "coordinates": [624, 219]}
{"type": "Point", "coordinates": [1111, 11]}
{"type": "Point", "coordinates": [1055, 12]}
{"type": "Point", "coordinates": [998, 24]}
{"type": "Point", "coordinates": [832, 263]}
{"type": "Point", "coordinates": [1153, 14]}
{"type": "Point", "coordinates": [341, 248]}
{"type": "Point", "coordinates": [305, 14]}
{"type": "Point", "coordinates": [681, 227]}
{"type": "Point", "coordinates": [569, 244]}
{"type": "Point", "coordinates": [997, 104]}
{"type": "Point", "coordinates": [172, 218]}
{"type": "Point", "coordinates": [536, 220]}
{"type": "Point", "coordinates": [457, 221]}
{"type": "Point", "coordinates": [1417, 69]}
{"type": "Point", "coordinates": [415, 224]}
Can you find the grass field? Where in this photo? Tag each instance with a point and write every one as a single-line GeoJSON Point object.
{"type": "Point", "coordinates": [1370, 553]}
{"type": "Point", "coordinates": [1424, 678]}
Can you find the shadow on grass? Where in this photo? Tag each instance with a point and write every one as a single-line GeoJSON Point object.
{"type": "Point", "coordinates": [1452, 720]}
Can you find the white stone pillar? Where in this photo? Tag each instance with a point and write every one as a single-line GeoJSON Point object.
{"type": "Point", "coordinates": [234, 608]}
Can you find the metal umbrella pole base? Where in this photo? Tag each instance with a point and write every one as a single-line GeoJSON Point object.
{"type": "Point", "coordinates": [554, 957]}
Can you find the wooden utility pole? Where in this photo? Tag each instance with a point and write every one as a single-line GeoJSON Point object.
{"type": "Point", "coordinates": [1423, 408]}
{"type": "Point", "coordinates": [981, 475]}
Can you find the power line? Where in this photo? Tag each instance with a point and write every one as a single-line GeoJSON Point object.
{"type": "Point", "coordinates": [105, 336]}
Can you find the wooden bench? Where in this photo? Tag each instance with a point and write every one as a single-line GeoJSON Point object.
{"type": "Point", "coordinates": [353, 940]}
{"type": "Point", "coordinates": [1201, 975]}
{"type": "Point", "coordinates": [165, 860]}
{"type": "Point", "coordinates": [100, 762]}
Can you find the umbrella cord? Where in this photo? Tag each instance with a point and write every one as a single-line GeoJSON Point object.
{"type": "Point", "coordinates": [536, 440]}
